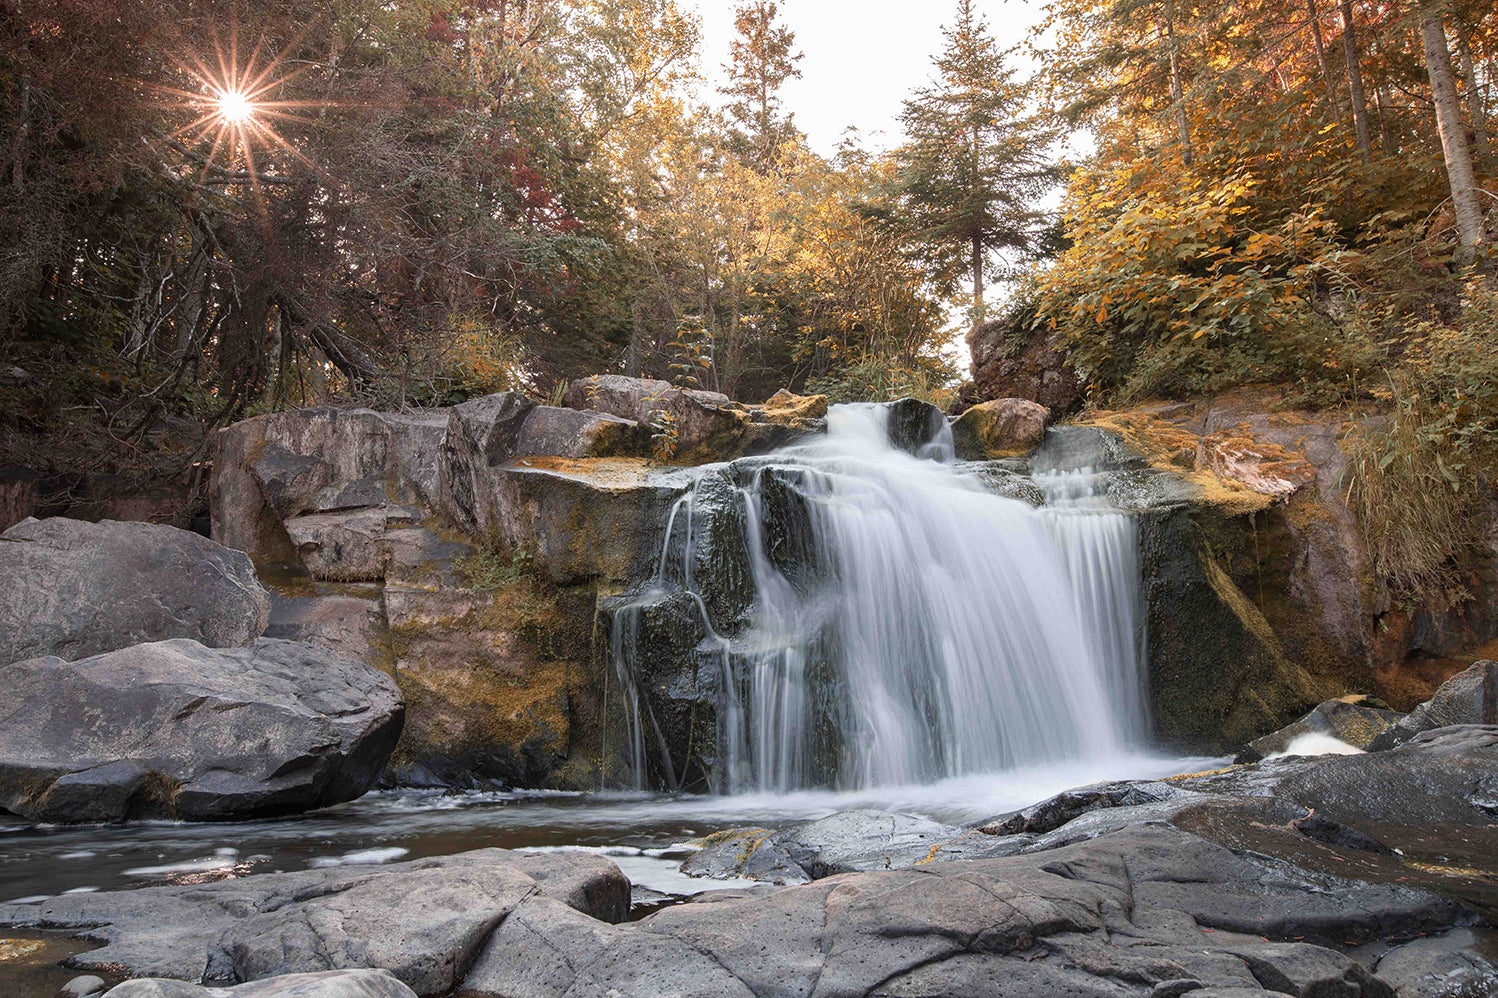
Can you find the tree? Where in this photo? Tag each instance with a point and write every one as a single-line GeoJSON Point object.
{"type": "Point", "coordinates": [1456, 152]}
{"type": "Point", "coordinates": [1353, 55]}
{"type": "Point", "coordinates": [975, 162]}
{"type": "Point", "coordinates": [763, 59]}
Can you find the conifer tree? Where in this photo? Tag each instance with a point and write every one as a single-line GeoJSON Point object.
{"type": "Point", "coordinates": [764, 57]}
{"type": "Point", "coordinates": [974, 163]}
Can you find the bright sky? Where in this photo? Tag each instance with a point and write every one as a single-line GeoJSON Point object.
{"type": "Point", "coordinates": [862, 58]}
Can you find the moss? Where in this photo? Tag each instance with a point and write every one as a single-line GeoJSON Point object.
{"type": "Point", "coordinates": [1163, 445]}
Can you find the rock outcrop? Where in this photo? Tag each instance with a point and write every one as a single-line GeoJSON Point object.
{"type": "Point", "coordinates": [1470, 697]}
{"type": "Point", "coordinates": [1257, 549]}
{"type": "Point", "coordinates": [424, 921]}
{"type": "Point", "coordinates": [1140, 911]}
{"type": "Point", "coordinates": [175, 729]}
{"type": "Point", "coordinates": [74, 589]}
{"type": "Point", "coordinates": [700, 426]}
{"type": "Point", "coordinates": [1011, 362]}
{"type": "Point", "coordinates": [1260, 878]}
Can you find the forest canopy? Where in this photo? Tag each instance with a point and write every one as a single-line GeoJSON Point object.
{"type": "Point", "coordinates": [212, 208]}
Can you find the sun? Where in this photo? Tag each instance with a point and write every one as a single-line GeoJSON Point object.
{"type": "Point", "coordinates": [235, 111]}
{"type": "Point", "coordinates": [235, 107]}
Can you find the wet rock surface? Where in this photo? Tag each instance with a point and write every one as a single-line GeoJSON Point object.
{"type": "Point", "coordinates": [424, 921]}
{"type": "Point", "coordinates": [179, 730]}
{"type": "Point", "coordinates": [1278, 877]}
{"type": "Point", "coordinates": [1354, 720]}
{"type": "Point", "coordinates": [328, 984]}
{"type": "Point", "coordinates": [74, 589]}
{"type": "Point", "coordinates": [1124, 914]}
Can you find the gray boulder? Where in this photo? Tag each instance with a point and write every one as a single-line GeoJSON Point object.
{"type": "Point", "coordinates": [422, 921]}
{"type": "Point", "coordinates": [328, 984]}
{"type": "Point", "coordinates": [1470, 697]}
{"type": "Point", "coordinates": [74, 589]}
{"type": "Point", "coordinates": [177, 730]}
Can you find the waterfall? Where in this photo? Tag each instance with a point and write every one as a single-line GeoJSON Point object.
{"type": "Point", "coordinates": [867, 614]}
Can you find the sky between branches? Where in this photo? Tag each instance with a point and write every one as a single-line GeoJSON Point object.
{"type": "Point", "coordinates": [862, 58]}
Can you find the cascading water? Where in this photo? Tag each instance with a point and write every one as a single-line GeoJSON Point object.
{"type": "Point", "coordinates": [870, 615]}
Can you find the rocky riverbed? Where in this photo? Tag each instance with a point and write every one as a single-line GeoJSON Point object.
{"type": "Point", "coordinates": [284, 764]}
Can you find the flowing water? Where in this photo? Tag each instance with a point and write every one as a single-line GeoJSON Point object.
{"type": "Point", "coordinates": [906, 622]}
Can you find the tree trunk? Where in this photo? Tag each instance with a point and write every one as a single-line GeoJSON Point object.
{"type": "Point", "coordinates": [1475, 106]}
{"type": "Point", "coordinates": [977, 280]}
{"type": "Point", "coordinates": [1177, 91]}
{"type": "Point", "coordinates": [1458, 156]}
{"type": "Point", "coordinates": [1355, 83]}
{"type": "Point", "coordinates": [1326, 73]}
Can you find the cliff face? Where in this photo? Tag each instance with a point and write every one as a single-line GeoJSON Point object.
{"type": "Point", "coordinates": [477, 553]}
{"type": "Point", "coordinates": [1269, 548]}
{"type": "Point", "coordinates": [1006, 364]}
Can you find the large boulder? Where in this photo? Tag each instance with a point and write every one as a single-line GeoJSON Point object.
{"type": "Point", "coordinates": [1470, 697]}
{"type": "Point", "coordinates": [423, 921]}
{"type": "Point", "coordinates": [175, 729]}
{"type": "Point", "coordinates": [999, 428]}
{"type": "Point", "coordinates": [74, 589]}
{"type": "Point", "coordinates": [308, 461]}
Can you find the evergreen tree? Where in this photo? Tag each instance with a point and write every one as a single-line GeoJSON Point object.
{"type": "Point", "coordinates": [763, 59]}
{"type": "Point", "coordinates": [974, 163]}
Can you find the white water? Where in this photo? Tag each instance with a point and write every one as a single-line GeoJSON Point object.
{"type": "Point", "coordinates": [953, 631]}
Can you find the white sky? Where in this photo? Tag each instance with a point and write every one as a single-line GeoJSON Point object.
{"type": "Point", "coordinates": [861, 59]}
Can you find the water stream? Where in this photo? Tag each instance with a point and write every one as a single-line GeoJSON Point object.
{"type": "Point", "coordinates": [879, 615]}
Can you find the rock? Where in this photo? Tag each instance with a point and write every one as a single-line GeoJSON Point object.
{"type": "Point", "coordinates": [845, 842]}
{"type": "Point", "coordinates": [1442, 966]}
{"type": "Point", "coordinates": [552, 431]}
{"type": "Point", "coordinates": [581, 520]}
{"type": "Point", "coordinates": [422, 921]}
{"type": "Point", "coordinates": [914, 424]}
{"type": "Point", "coordinates": [326, 984]}
{"type": "Point", "coordinates": [82, 987]}
{"type": "Point", "coordinates": [305, 461]}
{"type": "Point", "coordinates": [1350, 719]}
{"type": "Point", "coordinates": [708, 426]}
{"type": "Point", "coordinates": [1471, 697]}
{"type": "Point", "coordinates": [1224, 678]}
{"type": "Point", "coordinates": [75, 589]}
{"type": "Point", "coordinates": [1010, 360]}
{"type": "Point", "coordinates": [351, 626]}
{"type": "Point", "coordinates": [1446, 776]}
{"type": "Point", "coordinates": [346, 546]}
{"type": "Point", "coordinates": [1142, 907]}
{"type": "Point", "coordinates": [175, 729]}
{"type": "Point", "coordinates": [629, 398]}
{"type": "Point", "coordinates": [998, 428]}
{"type": "Point", "coordinates": [489, 678]}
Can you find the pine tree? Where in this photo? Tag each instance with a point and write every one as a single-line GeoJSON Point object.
{"type": "Point", "coordinates": [974, 162]}
{"type": "Point", "coordinates": [764, 57]}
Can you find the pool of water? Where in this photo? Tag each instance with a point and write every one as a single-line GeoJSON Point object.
{"type": "Point", "coordinates": [647, 835]}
